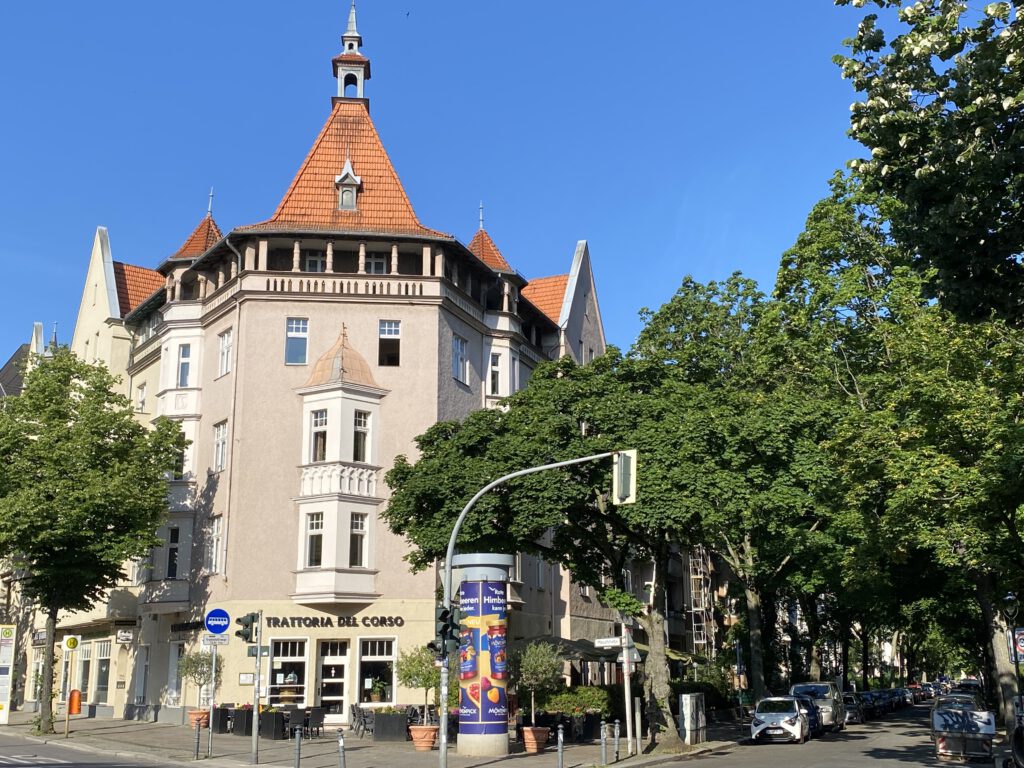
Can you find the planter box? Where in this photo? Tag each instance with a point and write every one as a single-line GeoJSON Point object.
{"type": "Point", "coordinates": [272, 725]}
{"type": "Point", "coordinates": [241, 722]}
{"type": "Point", "coordinates": [591, 727]}
{"type": "Point", "coordinates": [390, 727]}
{"type": "Point", "coordinates": [219, 724]}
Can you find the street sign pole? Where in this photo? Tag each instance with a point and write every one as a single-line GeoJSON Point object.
{"type": "Point", "coordinates": [213, 695]}
{"type": "Point", "coordinates": [67, 684]}
{"type": "Point", "coordinates": [256, 691]}
{"type": "Point", "coordinates": [627, 661]}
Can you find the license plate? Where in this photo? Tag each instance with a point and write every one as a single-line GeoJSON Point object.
{"type": "Point", "coordinates": [775, 731]}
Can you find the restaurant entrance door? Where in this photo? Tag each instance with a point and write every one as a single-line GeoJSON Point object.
{"type": "Point", "coordinates": [332, 660]}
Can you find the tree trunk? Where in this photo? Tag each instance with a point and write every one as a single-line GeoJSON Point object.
{"type": "Point", "coordinates": [809, 608]}
{"type": "Point", "coordinates": [756, 639]}
{"type": "Point", "coordinates": [997, 631]}
{"type": "Point", "coordinates": [865, 653]}
{"type": "Point", "coordinates": [845, 653]}
{"type": "Point", "coordinates": [656, 670]}
{"type": "Point", "coordinates": [46, 691]}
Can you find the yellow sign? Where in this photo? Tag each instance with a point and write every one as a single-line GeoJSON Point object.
{"type": "Point", "coordinates": [71, 642]}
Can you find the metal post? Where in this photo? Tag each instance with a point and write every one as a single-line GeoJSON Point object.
{"type": "Point", "coordinates": [213, 696]}
{"type": "Point", "coordinates": [341, 748]}
{"type": "Point", "coordinates": [604, 743]}
{"type": "Point", "coordinates": [615, 734]}
{"type": "Point", "coordinates": [447, 582]}
{"type": "Point", "coordinates": [561, 745]}
{"type": "Point", "coordinates": [198, 725]}
{"type": "Point", "coordinates": [639, 721]}
{"type": "Point", "coordinates": [297, 735]}
{"type": "Point", "coordinates": [627, 673]}
{"type": "Point", "coordinates": [67, 701]}
{"type": "Point", "coordinates": [256, 690]}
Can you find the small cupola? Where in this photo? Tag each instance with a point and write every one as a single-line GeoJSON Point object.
{"type": "Point", "coordinates": [347, 184]}
{"type": "Point", "coordinates": [351, 68]}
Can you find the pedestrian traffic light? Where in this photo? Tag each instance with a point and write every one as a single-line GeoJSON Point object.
{"type": "Point", "coordinates": [250, 631]}
{"type": "Point", "coordinates": [442, 617]}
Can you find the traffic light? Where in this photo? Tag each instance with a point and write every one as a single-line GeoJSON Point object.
{"type": "Point", "coordinates": [451, 642]}
{"type": "Point", "coordinates": [250, 631]}
{"type": "Point", "coordinates": [624, 477]}
{"type": "Point", "coordinates": [446, 631]}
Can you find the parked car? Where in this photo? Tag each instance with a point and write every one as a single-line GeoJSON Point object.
{"type": "Point", "coordinates": [829, 699]}
{"type": "Point", "coordinates": [812, 712]}
{"type": "Point", "coordinates": [854, 708]}
{"type": "Point", "coordinates": [870, 704]}
{"type": "Point", "coordinates": [779, 718]}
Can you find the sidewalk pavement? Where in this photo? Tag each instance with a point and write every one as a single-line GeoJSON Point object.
{"type": "Point", "coordinates": [167, 743]}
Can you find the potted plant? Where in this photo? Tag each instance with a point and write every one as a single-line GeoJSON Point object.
{"type": "Point", "coordinates": [378, 689]}
{"type": "Point", "coordinates": [197, 668]}
{"type": "Point", "coordinates": [416, 669]}
{"type": "Point", "coordinates": [537, 668]}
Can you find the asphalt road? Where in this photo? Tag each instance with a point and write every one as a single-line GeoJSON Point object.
{"type": "Point", "coordinates": [16, 751]}
{"type": "Point", "coordinates": [899, 740]}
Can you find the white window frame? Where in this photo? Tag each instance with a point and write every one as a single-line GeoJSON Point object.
{"type": "Point", "coordinates": [314, 533]}
{"type": "Point", "coordinates": [361, 425]}
{"type": "Point", "coordinates": [318, 434]}
{"type": "Point", "coordinates": [173, 552]}
{"type": "Point", "coordinates": [363, 658]}
{"type": "Point", "coordinates": [460, 359]}
{"type": "Point", "coordinates": [389, 330]}
{"type": "Point", "coordinates": [494, 382]}
{"type": "Point", "coordinates": [297, 329]}
{"type": "Point", "coordinates": [140, 398]}
{"type": "Point", "coordinates": [376, 264]}
{"type": "Point", "coordinates": [314, 261]}
{"type": "Point", "coordinates": [214, 542]}
{"type": "Point", "coordinates": [184, 365]}
{"type": "Point", "coordinates": [220, 446]}
{"type": "Point", "coordinates": [225, 342]}
{"type": "Point", "coordinates": [359, 535]}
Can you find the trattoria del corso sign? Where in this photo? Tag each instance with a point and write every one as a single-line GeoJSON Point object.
{"type": "Point", "coordinates": [280, 622]}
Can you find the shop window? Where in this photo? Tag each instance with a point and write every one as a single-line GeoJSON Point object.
{"type": "Point", "coordinates": [377, 670]}
{"type": "Point", "coordinates": [287, 673]}
{"type": "Point", "coordinates": [84, 669]}
{"type": "Point", "coordinates": [102, 671]}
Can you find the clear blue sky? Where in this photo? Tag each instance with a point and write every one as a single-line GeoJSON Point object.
{"type": "Point", "coordinates": [677, 137]}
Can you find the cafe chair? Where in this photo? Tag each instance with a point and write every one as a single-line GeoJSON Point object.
{"type": "Point", "coordinates": [315, 722]}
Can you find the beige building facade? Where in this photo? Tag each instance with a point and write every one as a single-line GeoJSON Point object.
{"type": "Point", "coordinates": [301, 355]}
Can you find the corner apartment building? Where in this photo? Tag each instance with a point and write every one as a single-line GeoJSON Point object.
{"type": "Point", "coordinates": [301, 354]}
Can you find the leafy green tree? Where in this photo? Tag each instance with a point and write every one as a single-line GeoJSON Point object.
{"type": "Point", "coordinates": [82, 487]}
{"type": "Point", "coordinates": [537, 668]}
{"type": "Point", "coordinates": [198, 668]}
{"type": "Point", "coordinates": [940, 109]}
{"type": "Point", "coordinates": [416, 669]}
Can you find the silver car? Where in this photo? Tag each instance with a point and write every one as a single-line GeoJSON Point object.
{"type": "Point", "coordinates": [779, 719]}
{"type": "Point", "coordinates": [829, 700]}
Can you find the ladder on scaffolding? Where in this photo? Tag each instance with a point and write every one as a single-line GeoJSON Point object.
{"type": "Point", "coordinates": [701, 608]}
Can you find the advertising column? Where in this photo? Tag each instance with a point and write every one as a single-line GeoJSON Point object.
{"type": "Point", "coordinates": [483, 669]}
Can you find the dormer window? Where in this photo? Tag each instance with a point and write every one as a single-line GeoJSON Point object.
{"type": "Point", "coordinates": [347, 184]}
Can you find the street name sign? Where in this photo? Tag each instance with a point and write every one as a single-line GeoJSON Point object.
{"type": "Point", "coordinates": [634, 656]}
{"type": "Point", "coordinates": [216, 639]}
{"type": "Point", "coordinates": [608, 642]}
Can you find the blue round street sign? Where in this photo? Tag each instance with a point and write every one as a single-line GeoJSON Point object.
{"type": "Point", "coordinates": [217, 621]}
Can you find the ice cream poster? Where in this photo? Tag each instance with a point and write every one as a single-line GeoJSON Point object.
{"type": "Point", "coordinates": [483, 659]}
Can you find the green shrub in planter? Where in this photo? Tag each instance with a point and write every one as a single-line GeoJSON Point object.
{"type": "Point", "coordinates": [580, 700]}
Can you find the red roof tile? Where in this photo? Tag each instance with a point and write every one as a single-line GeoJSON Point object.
{"type": "Point", "coordinates": [483, 247]}
{"type": "Point", "coordinates": [134, 285]}
{"type": "Point", "coordinates": [547, 294]}
{"type": "Point", "coordinates": [311, 202]}
{"type": "Point", "coordinates": [202, 237]}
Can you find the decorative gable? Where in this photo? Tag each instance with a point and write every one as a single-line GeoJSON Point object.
{"type": "Point", "coordinates": [347, 184]}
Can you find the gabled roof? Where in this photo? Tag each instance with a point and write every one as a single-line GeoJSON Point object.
{"type": "Point", "coordinates": [311, 202]}
{"type": "Point", "coordinates": [135, 285]}
{"type": "Point", "coordinates": [547, 294]}
{"type": "Point", "coordinates": [199, 242]}
{"type": "Point", "coordinates": [483, 247]}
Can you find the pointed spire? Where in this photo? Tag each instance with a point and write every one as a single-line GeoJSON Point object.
{"type": "Point", "coordinates": [209, 207]}
{"type": "Point", "coordinates": [352, 34]}
{"type": "Point", "coordinates": [481, 214]}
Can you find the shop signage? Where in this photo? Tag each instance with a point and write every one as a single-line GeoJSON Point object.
{"type": "Point", "coordinates": [125, 635]}
{"type": "Point", "coordinates": [280, 622]}
{"type": "Point", "coordinates": [39, 637]}
{"type": "Point", "coordinates": [187, 626]}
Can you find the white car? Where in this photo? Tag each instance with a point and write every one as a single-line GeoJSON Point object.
{"type": "Point", "coordinates": [779, 719]}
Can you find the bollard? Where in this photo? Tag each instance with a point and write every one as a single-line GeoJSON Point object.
{"type": "Point", "coordinates": [604, 743]}
{"type": "Point", "coordinates": [198, 726]}
{"type": "Point", "coordinates": [341, 748]}
{"type": "Point", "coordinates": [615, 735]}
{"type": "Point", "coordinates": [297, 735]}
{"type": "Point", "coordinates": [561, 744]}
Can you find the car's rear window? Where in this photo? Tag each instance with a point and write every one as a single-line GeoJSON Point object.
{"type": "Point", "coordinates": [776, 706]}
{"type": "Point", "coordinates": [814, 691]}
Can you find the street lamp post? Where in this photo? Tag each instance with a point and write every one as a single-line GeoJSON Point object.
{"type": "Point", "coordinates": [1010, 608]}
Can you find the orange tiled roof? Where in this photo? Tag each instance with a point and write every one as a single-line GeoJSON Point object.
{"type": "Point", "coordinates": [135, 285]}
{"type": "Point", "coordinates": [311, 202]}
{"type": "Point", "coordinates": [483, 247]}
{"type": "Point", "coordinates": [547, 294]}
{"type": "Point", "coordinates": [202, 237]}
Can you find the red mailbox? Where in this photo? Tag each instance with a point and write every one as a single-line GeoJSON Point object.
{"type": "Point", "coordinates": [75, 702]}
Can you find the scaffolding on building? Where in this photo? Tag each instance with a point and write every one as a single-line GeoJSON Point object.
{"type": "Point", "coordinates": [701, 603]}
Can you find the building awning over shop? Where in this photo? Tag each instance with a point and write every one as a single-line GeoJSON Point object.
{"type": "Point", "coordinates": [571, 650]}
